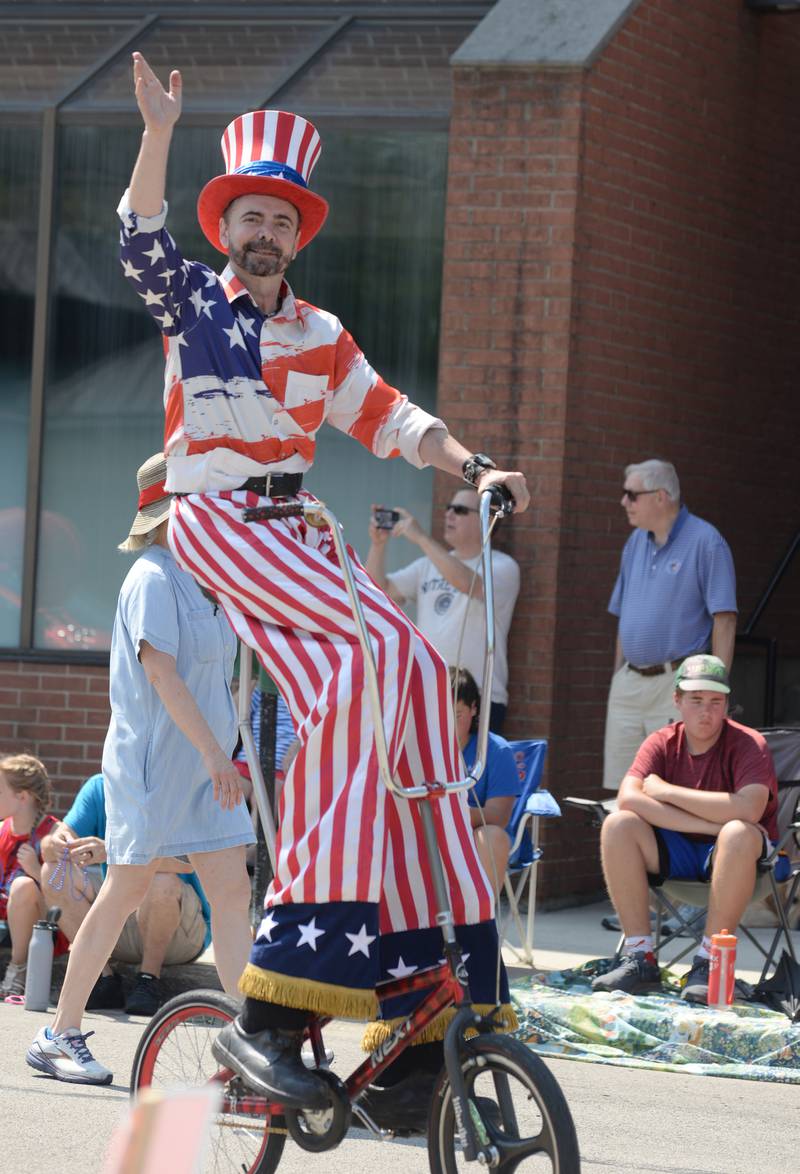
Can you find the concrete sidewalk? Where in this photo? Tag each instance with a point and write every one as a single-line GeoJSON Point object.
{"type": "Point", "coordinates": [567, 937]}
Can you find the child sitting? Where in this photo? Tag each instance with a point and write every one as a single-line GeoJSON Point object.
{"type": "Point", "coordinates": [25, 795]}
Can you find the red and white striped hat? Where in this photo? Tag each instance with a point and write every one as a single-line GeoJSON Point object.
{"type": "Point", "coordinates": [272, 153]}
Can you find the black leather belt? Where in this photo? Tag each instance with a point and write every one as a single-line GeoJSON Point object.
{"type": "Point", "coordinates": [654, 670]}
{"type": "Point", "coordinates": [274, 484]}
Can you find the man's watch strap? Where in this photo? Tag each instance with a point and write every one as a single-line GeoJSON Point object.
{"type": "Point", "coordinates": [475, 466]}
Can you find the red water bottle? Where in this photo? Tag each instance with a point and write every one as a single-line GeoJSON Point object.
{"type": "Point", "coordinates": [722, 969]}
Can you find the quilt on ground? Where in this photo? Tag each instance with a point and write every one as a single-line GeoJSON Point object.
{"type": "Point", "coordinates": [560, 1016]}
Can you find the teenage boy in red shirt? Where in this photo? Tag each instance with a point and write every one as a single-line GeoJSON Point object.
{"type": "Point", "coordinates": [699, 802]}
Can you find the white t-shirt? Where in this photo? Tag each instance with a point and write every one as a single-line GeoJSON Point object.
{"type": "Point", "coordinates": [441, 612]}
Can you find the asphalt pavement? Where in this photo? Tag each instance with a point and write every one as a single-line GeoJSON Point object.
{"type": "Point", "coordinates": [627, 1120]}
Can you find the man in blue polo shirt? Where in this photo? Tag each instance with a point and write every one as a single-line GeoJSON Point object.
{"type": "Point", "coordinates": [675, 595]}
{"type": "Point", "coordinates": [171, 926]}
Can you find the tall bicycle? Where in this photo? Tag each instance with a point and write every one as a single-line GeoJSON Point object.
{"type": "Point", "coordinates": [494, 1102]}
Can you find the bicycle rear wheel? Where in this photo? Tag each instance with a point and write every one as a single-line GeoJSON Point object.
{"type": "Point", "coordinates": [517, 1106]}
{"type": "Point", "coordinates": [175, 1052]}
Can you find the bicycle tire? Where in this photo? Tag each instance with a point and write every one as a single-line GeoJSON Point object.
{"type": "Point", "coordinates": [194, 1015]}
{"type": "Point", "coordinates": [543, 1108]}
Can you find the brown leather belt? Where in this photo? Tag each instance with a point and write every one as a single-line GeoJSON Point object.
{"type": "Point", "coordinates": [655, 670]}
{"type": "Point", "coordinates": [275, 484]}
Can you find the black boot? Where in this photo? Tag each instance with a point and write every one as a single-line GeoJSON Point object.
{"type": "Point", "coordinates": [269, 1061]}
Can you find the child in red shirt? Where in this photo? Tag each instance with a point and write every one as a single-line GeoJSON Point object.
{"type": "Point", "coordinates": [25, 795]}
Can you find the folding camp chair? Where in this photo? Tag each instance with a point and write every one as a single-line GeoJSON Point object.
{"type": "Point", "coordinates": [782, 866]}
{"type": "Point", "coordinates": [532, 805]}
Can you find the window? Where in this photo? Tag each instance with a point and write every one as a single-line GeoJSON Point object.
{"type": "Point", "coordinates": [19, 187]}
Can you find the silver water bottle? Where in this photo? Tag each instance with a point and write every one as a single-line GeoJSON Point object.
{"type": "Point", "coordinates": [39, 974]}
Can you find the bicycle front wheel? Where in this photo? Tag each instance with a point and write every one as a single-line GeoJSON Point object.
{"type": "Point", "coordinates": [516, 1105]}
{"type": "Point", "coordinates": [175, 1052]}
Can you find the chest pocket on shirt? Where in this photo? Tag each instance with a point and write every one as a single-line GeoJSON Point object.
{"type": "Point", "coordinates": [206, 636]}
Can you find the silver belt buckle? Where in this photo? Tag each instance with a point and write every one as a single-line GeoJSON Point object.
{"type": "Point", "coordinates": [268, 485]}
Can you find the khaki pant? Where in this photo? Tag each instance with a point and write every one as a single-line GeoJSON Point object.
{"type": "Point", "coordinates": [637, 706]}
{"type": "Point", "coordinates": [187, 941]}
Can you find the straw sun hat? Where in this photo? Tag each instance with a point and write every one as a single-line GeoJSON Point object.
{"type": "Point", "coordinates": [154, 501]}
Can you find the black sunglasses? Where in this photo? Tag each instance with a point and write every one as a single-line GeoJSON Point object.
{"type": "Point", "coordinates": [460, 510]}
{"type": "Point", "coordinates": [633, 494]}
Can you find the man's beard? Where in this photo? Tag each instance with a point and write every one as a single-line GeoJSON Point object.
{"type": "Point", "coordinates": [261, 260]}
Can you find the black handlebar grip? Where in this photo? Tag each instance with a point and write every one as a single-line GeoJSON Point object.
{"type": "Point", "coordinates": [502, 499]}
{"type": "Point", "coordinates": [266, 513]}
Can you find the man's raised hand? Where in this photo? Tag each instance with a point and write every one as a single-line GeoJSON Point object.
{"type": "Point", "coordinates": [159, 109]}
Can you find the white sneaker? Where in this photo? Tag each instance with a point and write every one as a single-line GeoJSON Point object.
{"type": "Point", "coordinates": [66, 1057]}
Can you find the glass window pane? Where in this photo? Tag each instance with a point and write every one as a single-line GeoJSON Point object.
{"type": "Point", "coordinates": [224, 67]}
{"type": "Point", "coordinates": [375, 66]}
{"type": "Point", "coordinates": [19, 199]}
{"type": "Point", "coordinates": [39, 62]}
{"type": "Point", "coordinates": [377, 265]}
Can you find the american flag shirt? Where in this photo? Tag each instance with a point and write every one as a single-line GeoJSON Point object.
{"type": "Point", "coordinates": [246, 394]}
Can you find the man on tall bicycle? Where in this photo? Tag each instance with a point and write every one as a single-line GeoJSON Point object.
{"type": "Point", "coordinates": [251, 374]}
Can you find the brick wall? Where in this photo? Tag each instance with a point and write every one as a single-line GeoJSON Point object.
{"type": "Point", "coordinates": [58, 712]}
{"type": "Point", "coordinates": [678, 252]}
{"type": "Point", "coordinates": [507, 287]}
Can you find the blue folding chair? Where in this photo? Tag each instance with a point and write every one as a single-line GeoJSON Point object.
{"type": "Point", "coordinates": [532, 805]}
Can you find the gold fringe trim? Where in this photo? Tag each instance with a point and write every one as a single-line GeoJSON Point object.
{"type": "Point", "coordinates": [340, 1002]}
{"type": "Point", "coordinates": [378, 1032]}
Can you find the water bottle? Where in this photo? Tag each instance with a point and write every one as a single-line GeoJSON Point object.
{"type": "Point", "coordinates": [722, 969]}
{"type": "Point", "coordinates": [39, 974]}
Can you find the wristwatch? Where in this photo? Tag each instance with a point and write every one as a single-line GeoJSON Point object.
{"type": "Point", "coordinates": [475, 466]}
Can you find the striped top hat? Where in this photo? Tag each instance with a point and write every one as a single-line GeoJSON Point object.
{"type": "Point", "coordinates": [270, 153]}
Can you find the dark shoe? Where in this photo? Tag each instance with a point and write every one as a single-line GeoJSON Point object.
{"type": "Point", "coordinates": [146, 997]}
{"type": "Point", "coordinates": [106, 994]}
{"type": "Point", "coordinates": [269, 1061]}
{"type": "Point", "coordinates": [636, 975]}
{"type": "Point", "coordinates": [403, 1107]}
{"type": "Point", "coordinates": [695, 989]}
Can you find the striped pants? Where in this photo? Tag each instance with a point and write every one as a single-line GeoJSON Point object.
{"type": "Point", "coordinates": [352, 900]}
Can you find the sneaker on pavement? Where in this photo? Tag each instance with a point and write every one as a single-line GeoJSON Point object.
{"type": "Point", "coordinates": [146, 997]}
{"type": "Point", "coordinates": [66, 1057]}
{"type": "Point", "coordinates": [106, 994]}
{"type": "Point", "coordinates": [695, 989]}
{"type": "Point", "coordinates": [636, 975]}
{"type": "Point", "coordinates": [14, 981]}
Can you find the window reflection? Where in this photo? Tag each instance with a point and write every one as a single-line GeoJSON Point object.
{"type": "Point", "coordinates": [19, 178]}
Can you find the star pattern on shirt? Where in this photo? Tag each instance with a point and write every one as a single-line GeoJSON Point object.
{"type": "Point", "coordinates": [211, 279]}
{"type": "Point", "coordinates": [402, 969]}
{"type": "Point", "coordinates": [156, 253]}
{"type": "Point", "coordinates": [166, 320]}
{"type": "Point", "coordinates": [180, 339]}
{"type": "Point", "coordinates": [153, 299]}
{"type": "Point", "coordinates": [246, 324]}
{"type": "Point", "coordinates": [201, 306]}
{"type": "Point", "coordinates": [166, 274]}
{"type": "Point", "coordinates": [129, 270]}
{"type": "Point", "coordinates": [309, 934]}
{"type": "Point", "coordinates": [268, 925]}
{"type": "Point", "coordinates": [360, 942]}
{"type": "Point", "coordinates": [235, 336]}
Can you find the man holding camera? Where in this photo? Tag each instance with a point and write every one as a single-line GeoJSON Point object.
{"type": "Point", "coordinates": [447, 589]}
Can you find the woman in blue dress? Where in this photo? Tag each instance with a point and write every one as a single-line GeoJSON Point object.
{"type": "Point", "coordinates": [171, 789]}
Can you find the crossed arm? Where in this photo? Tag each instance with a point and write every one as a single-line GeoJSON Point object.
{"type": "Point", "coordinates": [682, 809]}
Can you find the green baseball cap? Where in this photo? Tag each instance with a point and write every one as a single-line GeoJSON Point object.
{"type": "Point", "coordinates": [703, 672]}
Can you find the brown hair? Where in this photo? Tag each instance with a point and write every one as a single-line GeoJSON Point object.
{"type": "Point", "coordinates": [466, 690]}
{"type": "Point", "coordinates": [23, 772]}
